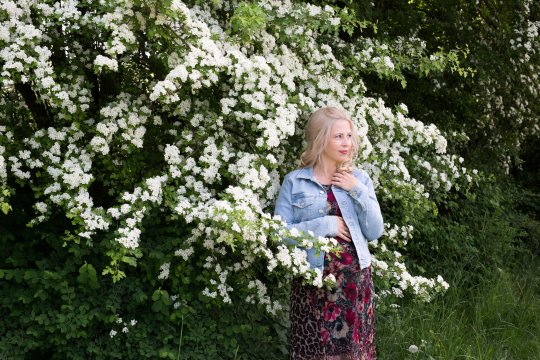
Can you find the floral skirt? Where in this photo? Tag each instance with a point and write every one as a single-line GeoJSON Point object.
{"type": "Point", "coordinates": [335, 324]}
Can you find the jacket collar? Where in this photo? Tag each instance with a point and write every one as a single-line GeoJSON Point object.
{"type": "Point", "coordinates": [307, 173]}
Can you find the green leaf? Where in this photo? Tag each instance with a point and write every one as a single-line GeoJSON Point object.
{"type": "Point", "coordinates": [129, 260]}
{"type": "Point", "coordinates": [161, 301]}
{"type": "Point", "coordinates": [156, 295]}
{"type": "Point", "coordinates": [157, 306]}
{"type": "Point", "coordinates": [5, 207]}
{"type": "Point", "coordinates": [87, 276]}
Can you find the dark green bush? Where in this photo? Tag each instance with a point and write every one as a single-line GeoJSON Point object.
{"type": "Point", "coordinates": [54, 305]}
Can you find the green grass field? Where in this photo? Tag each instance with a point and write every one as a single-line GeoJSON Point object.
{"type": "Point", "coordinates": [498, 319]}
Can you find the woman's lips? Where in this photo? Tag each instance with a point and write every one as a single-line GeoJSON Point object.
{"type": "Point", "coordinates": [344, 152]}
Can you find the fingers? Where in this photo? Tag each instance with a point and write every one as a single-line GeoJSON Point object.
{"type": "Point", "coordinates": [343, 230]}
{"type": "Point", "coordinates": [339, 175]}
{"type": "Point", "coordinates": [337, 178]}
{"type": "Point", "coordinates": [344, 180]}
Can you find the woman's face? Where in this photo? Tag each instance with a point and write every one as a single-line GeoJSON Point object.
{"type": "Point", "coordinates": [339, 143]}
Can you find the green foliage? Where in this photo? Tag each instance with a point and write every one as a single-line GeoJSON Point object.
{"type": "Point", "coordinates": [5, 207]}
{"type": "Point", "coordinates": [248, 19]}
{"type": "Point", "coordinates": [483, 44]}
{"type": "Point", "coordinates": [468, 68]}
{"type": "Point", "coordinates": [87, 277]}
{"type": "Point", "coordinates": [476, 235]}
{"type": "Point", "coordinates": [58, 306]}
{"type": "Point", "coordinates": [496, 319]}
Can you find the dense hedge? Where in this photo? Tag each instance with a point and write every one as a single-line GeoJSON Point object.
{"type": "Point", "coordinates": [142, 144]}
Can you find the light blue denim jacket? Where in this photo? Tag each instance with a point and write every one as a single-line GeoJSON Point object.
{"type": "Point", "coordinates": [301, 203]}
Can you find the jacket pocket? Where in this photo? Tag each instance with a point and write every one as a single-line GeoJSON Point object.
{"type": "Point", "coordinates": [303, 206]}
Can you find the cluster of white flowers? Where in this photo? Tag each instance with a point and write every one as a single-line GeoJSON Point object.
{"type": "Point", "coordinates": [123, 121]}
{"type": "Point", "coordinates": [394, 234]}
{"type": "Point", "coordinates": [164, 271]}
{"type": "Point", "coordinates": [184, 253]}
{"type": "Point", "coordinates": [387, 263]}
{"type": "Point", "coordinates": [272, 307]}
{"type": "Point", "coordinates": [248, 175]}
{"type": "Point", "coordinates": [423, 288]}
{"type": "Point", "coordinates": [134, 209]}
{"type": "Point", "coordinates": [68, 168]}
{"type": "Point", "coordinates": [3, 168]}
{"type": "Point", "coordinates": [121, 33]}
{"type": "Point", "coordinates": [223, 226]}
{"type": "Point", "coordinates": [125, 326]}
{"type": "Point", "coordinates": [375, 55]}
{"type": "Point", "coordinates": [106, 62]}
{"type": "Point", "coordinates": [216, 161]}
{"type": "Point", "coordinates": [222, 288]}
{"type": "Point", "coordinates": [26, 55]}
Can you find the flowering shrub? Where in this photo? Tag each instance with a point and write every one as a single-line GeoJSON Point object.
{"type": "Point", "coordinates": [145, 142]}
{"type": "Point", "coordinates": [496, 49]}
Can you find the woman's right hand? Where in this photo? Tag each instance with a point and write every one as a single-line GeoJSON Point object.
{"type": "Point", "coordinates": [343, 230]}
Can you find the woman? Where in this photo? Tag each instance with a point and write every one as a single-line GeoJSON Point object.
{"type": "Point", "coordinates": [327, 196]}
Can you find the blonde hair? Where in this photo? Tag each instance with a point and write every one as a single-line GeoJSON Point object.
{"type": "Point", "coordinates": [317, 133]}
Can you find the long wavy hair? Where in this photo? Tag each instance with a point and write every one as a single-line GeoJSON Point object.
{"type": "Point", "coordinates": [317, 133]}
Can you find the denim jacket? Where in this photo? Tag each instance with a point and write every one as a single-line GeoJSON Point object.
{"type": "Point", "coordinates": [301, 203]}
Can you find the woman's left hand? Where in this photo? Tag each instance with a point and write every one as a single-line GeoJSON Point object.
{"type": "Point", "coordinates": [344, 180]}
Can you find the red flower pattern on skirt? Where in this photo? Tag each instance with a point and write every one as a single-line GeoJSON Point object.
{"type": "Point", "coordinates": [331, 311]}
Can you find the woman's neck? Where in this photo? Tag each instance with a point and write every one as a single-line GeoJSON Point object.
{"type": "Point", "coordinates": [323, 171]}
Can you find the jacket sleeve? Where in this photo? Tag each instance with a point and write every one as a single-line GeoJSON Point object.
{"type": "Point", "coordinates": [367, 208]}
{"type": "Point", "coordinates": [325, 226]}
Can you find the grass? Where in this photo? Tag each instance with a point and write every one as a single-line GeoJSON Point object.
{"type": "Point", "coordinates": [498, 319]}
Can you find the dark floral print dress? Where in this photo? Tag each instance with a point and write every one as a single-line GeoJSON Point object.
{"type": "Point", "coordinates": [337, 324]}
